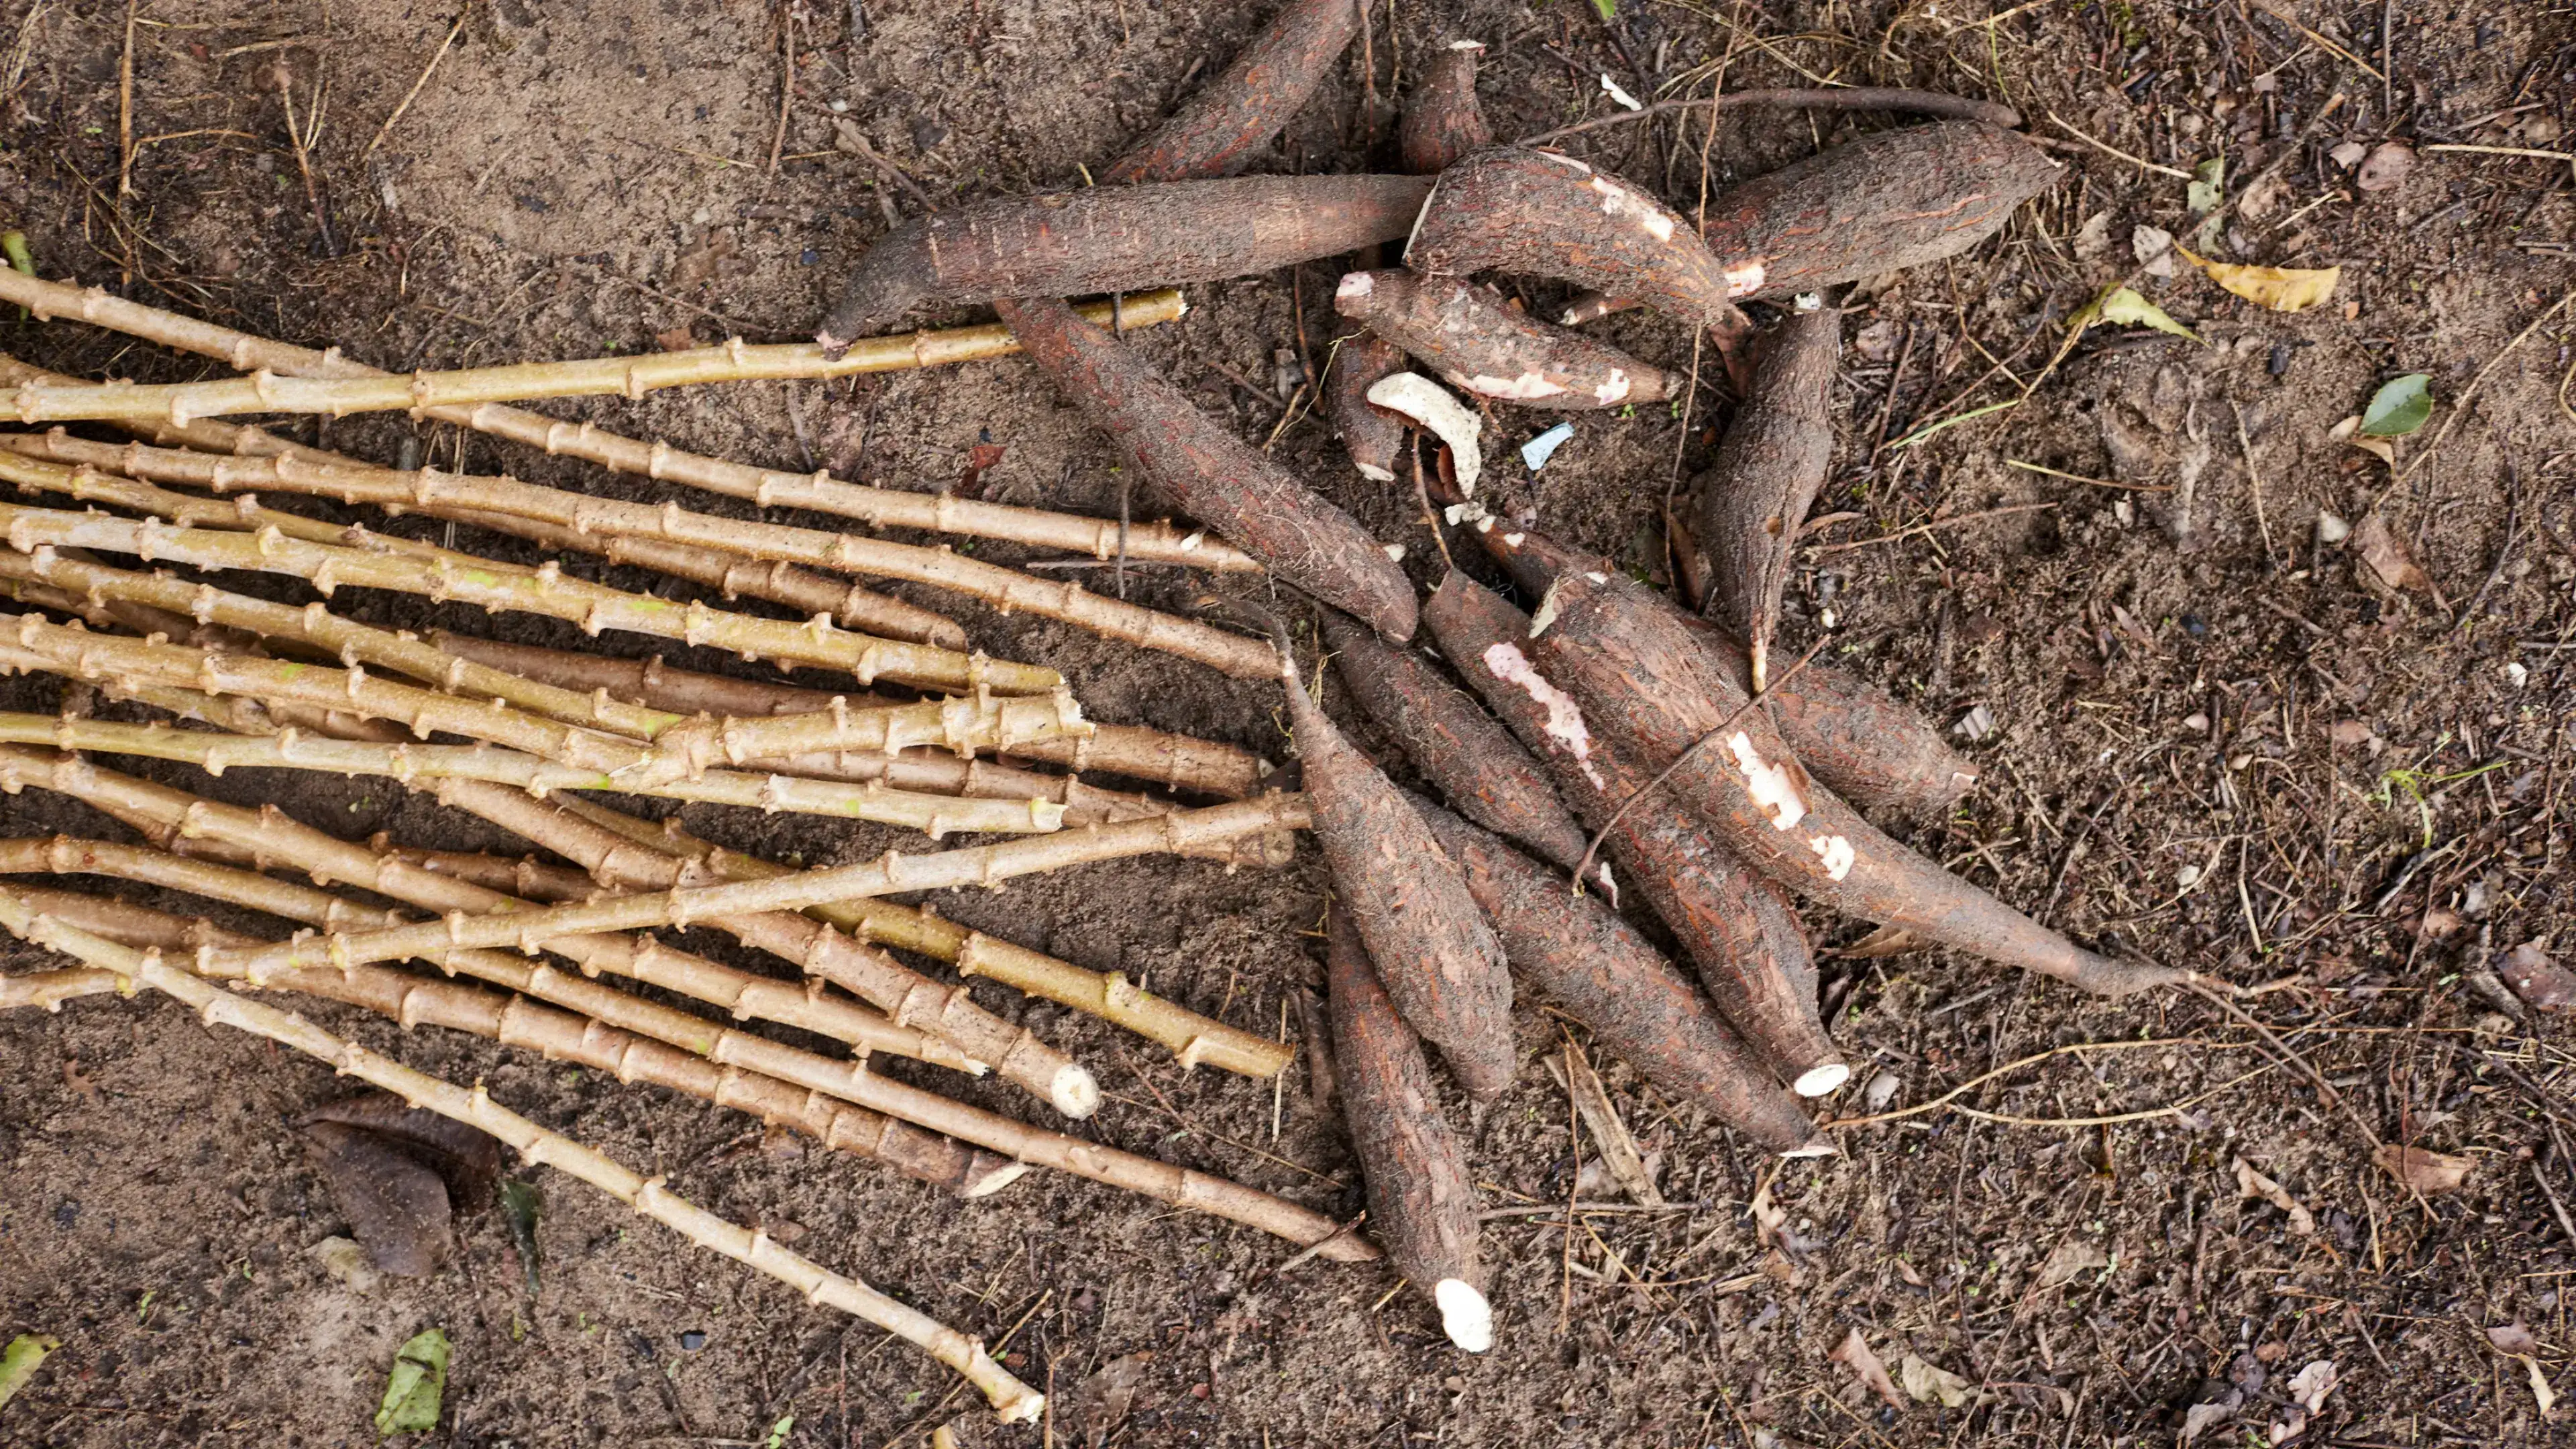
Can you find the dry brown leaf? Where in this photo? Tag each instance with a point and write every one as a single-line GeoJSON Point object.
{"type": "Point", "coordinates": [2254, 1184]}
{"type": "Point", "coordinates": [2068, 1259]}
{"type": "Point", "coordinates": [1101, 1402]}
{"type": "Point", "coordinates": [2385, 557]}
{"type": "Point", "coordinates": [2197, 1419]}
{"type": "Point", "coordinates": [2350, 732]}
{"type": "Point", "coordinates": [2283, 289]}
{"type": "Point", "coordinates": [1926, 1382]}
{"type": "Point", "coordinates": [1855, 1355]}
{"type": "Point", "coordinates": [2349, 431]}
{"type": "Point", "coordinates": [2423, 1169]}
{"type": "Point", "coordinates": [2543, 984]}
{"type": "Point", "coordinates": [2385, 168]}
{"type": "Point", "coordinates": [2261, 198]}
{"type": "Point", "coordinates": [676, 339]}
{"type": "Point", "coordinates": [2514, 1338]}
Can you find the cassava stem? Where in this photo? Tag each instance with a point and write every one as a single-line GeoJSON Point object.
{"type": "Point", "coordinates": [1422, 1200]}
{"type": "Point", "coordinates": [1755, 494]}
{"type": "Point", "coordinates": [1212, 474]}
{"type": "Point", "coordinates": [624, 853]}
{"type": "Point", "coordinates": [1479, 768]}
{"type": "Point", "coordinates": [733, 360]}
{"type": "Point", "coordinates": [1435, 953]}
{"type": "Point", "coordinates": [1178, 762]}
{"type": "Point", "coordinates": [552, 1033]}
{"type": "Point", "coordinates": [807, 592]}
{"type": "Point", "coordinates": [1115, 238]}
{"type": "Point", "coordinates": [1579, 952]}
{"type": "Point", "coordinates": [1217, 131]}
{"type": "Point", "coordinates": [1006, 589]}
{"type": "Point", "coordinates": [910, 999]}
{"type": "Point", "coordinates": [889, 874]}
{"type": "Point", "coordinates": [343, 556]}
{"type": "Point", "coordinates": [744, 996]}
{"type": "Point", "coordinates": [1011, 1399]}
{"type": "Point", "coordinates": [1750, 953]}
{"type": "Point", "coordinates": [1484, 348]}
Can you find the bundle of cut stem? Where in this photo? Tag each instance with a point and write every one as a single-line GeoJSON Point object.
{"type": "Point", "coordinates": [889, 874]}
{"type": "Point", "coordinates": [1010, 1398]}
{"type": "Point", "coordinates": [910, 999]}
{"type": "Point", "coordinates": [803, 590]}
{"type": "Point", "coordinates": [513, 1020]}
{"type": "Point", "coordinates": [820, 492]}
{"type": "Point", "coordinates": [600, 840]}
{"type": "Point", "coordinates": [744, 996]}
{"type": "Point", "coordinates": [1177, 762]}
{"type": "Point", "coordinates": [396, 491]}
{"type": "Point", "coordinates": [934, 815]}
{"type": "Point", "coordinates": [732, 360]}
{"type": "Point", "coordinates": [345, 556]}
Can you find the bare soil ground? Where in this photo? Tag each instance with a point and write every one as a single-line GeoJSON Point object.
{"type": "Point", "coordinates": [2217, 741]}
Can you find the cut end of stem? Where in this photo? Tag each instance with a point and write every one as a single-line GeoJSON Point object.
{"type": "Point", "coordinates": [1075, 1092]}
{"type": "Point", "coordinates": [1817, 1081]}
{"type": "Point", "coordinates": [1464, 1314]}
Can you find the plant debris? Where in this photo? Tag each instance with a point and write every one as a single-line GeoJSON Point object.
{"type": "Point", "coordinates": [413, 1389]}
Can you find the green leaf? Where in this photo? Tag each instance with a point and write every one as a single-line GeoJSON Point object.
{"type": "Point", "coordinates": [2123, 306]}
{"type": "Point", "coordinates": [521, 1205]}
{"type": "Point", "coordinates": [2399, 407]}
{"type": "Point", "coordinates": [413, 1389]}
{"type": "Point", "coordinates": [13, 245]}
{"type": "Point", "coordinates": [2208, 185]}
{"type": "Point", "coordinates": [18, 1363]}
{"type": "Point", "coordinates": [778, 1433]}
{"type": "Point", "coordinates": [1609, 8]}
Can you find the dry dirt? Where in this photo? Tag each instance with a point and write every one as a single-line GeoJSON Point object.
{"type": "Point", "coordinates": [2169, 682]}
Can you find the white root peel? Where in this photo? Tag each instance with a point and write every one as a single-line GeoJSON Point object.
{"type": "Point", "coordinates": [1564, 717]}
{"type": "Point", "coordinates": [1817, 1081]}
{"type": "Point", "coordinates": [1774, 788]}
{"type": "Point", "coordinates": [1429, 406]}
{"type": "Point", "coordinates": [1464, 1314]}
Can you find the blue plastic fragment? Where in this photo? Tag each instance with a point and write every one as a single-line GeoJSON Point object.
{"type": "Point", "coordinates": [1538, 450]}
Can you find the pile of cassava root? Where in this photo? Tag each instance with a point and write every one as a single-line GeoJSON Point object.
{"type": "Point", "coordinates": [1625, 746]}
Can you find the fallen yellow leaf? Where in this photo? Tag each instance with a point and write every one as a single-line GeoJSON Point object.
{"type": "Point", "coordinates": [2283, 289]}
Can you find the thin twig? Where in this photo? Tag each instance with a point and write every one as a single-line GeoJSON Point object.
{"type": "Point", "coordinates": [1834, 98]}
{"type": "Point", "coordinates": [414, 93]}
{"type": "Point", "coordinates": [1928, 527]}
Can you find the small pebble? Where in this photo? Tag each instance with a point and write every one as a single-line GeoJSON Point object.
{"type": "Point", "coordinates": [2195, 626]}
{"type": "Point", "coordinates": [1880, 1091]}
{"type": "Point", "coordinates": [808, 257]}
{"type": "Point", "coordinates": [693, 1340]}
{"type": "Point", "coordinates": [2332, 530]}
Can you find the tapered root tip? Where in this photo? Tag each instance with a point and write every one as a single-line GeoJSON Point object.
{"type": "Point", "coordinates": [1075, 1092]}
{"type": "Point", "coordinates": [1817, 1081]}
{"type": "Point", "coordinates": [1464, 1314]}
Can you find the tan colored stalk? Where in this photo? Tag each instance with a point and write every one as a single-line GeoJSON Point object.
{"type": "Point", "coordinates": [289, 749]}
{"type": "Point", "coordinates": [1005, 589]}
{"type": "Point", "coordinates": [555, 1034]}
{"type": "Point", "coordinates": [277, 840]}
{"type": "Point", "coordinates": [606, 843]}
{"type": "Point", "coordinates": [1177, 761]}
{"type": "Point", "coordinates": [1012, 1400]}
{"type": "Point", "coordinates": [803, 590]}
{"type": "Point", "coordinates": [820, 492]}
{"type": "Point", "coordinates": [353, 642]}
{"type": "Point", "coordinates": [889, 874]}
{"type": "Point", "coordinates": [744, 996]}
{"type": "Point", "coordinates": [1016, 1053]}
{"type": "Point", "coordinates": [675, 762]}
{"type": "Point", "coordinates": [371, 561]}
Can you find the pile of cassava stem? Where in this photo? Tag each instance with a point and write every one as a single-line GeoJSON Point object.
{"type": "Point", "coordinates": [1628, 753]}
